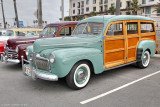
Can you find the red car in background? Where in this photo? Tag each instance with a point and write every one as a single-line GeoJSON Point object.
{"type": "Point", "coordinates": [15, 48]}
{"type": "Point", "coordinates": [2, 44]}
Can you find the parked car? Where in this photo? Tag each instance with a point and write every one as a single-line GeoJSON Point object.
{"type": "Point", "coordinates": [6, 34]}
{"type": "Point", "coordinates": [97, 44]}
{"type": "Point", "coordinates": [26, 31]}
{"type": "Point", "coordinates": [16, 48]}
{"type": "Point", "coordinates": [2, 43]}
{"type": "Point", "coordinates": [16, 33]}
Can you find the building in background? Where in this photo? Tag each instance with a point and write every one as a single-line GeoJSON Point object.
{"type": "Point", "coordinates": [83, 8]}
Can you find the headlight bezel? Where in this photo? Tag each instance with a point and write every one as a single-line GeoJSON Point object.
{"type": "Point", "coordinates": [27, 52]}
{"type": "Point", "coordinates": [52, 58]}
{"type": "Point", "coordinates": [17, 49]}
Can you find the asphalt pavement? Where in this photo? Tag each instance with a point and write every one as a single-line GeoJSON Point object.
{"type": "Point", "coordinates": [122, 87]}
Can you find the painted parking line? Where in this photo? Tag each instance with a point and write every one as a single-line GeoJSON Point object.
{"type": "Point", "coordinates": [117, 89]}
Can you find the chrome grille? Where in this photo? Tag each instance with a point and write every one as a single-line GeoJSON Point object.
{"type": "Point", "coordinates": [42, 64]}
{"type": "Point", "coordinates": [11, 54]}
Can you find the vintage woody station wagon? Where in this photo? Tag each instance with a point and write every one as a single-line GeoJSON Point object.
{"type": "Point", "coordinates": [97, 44]}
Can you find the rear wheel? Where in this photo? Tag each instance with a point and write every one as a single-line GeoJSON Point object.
{"type": "Point", "coordinates": [79, 75]}
{"type": "Point", "coordinates": [145, 60]}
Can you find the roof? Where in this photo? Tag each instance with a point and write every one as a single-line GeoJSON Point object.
{"type": "Point", "coordinates": [65, 23]}
{"type": "Point", "coordinates": [111, 18]}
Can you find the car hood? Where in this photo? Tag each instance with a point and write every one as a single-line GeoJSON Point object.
{"type": "Point", "coordinates": [65, 42]}
{"type": "Point", "coordinates": [12, 43]}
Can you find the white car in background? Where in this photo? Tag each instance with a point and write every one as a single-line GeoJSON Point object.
{"type": "Point", "coordinates": [6, 34]}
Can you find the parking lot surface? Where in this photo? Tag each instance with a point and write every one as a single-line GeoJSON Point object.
{"type": "Point", "coordinates": [18, 90]}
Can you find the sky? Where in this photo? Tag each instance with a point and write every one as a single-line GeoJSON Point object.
{"type": "Point", "coordinates": [27, 8]}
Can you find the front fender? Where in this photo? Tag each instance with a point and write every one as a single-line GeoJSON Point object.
{"type": "Point", "coordinates": [148, 45]}
{"type": "Point", "coordinates": [66, 58]}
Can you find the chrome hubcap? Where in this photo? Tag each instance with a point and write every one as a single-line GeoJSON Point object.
{"type": "Point", "coordinates": [81, 75]}
{"type": "Point", "coordinates": [145, 59]}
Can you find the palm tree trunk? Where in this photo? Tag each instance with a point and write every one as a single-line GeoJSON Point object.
{"type": "Point", "coordinates": [16, 13]}
{"type": "Point", "coordinates": [3, 14]}
{"type": "Point", "coordinates": [117, 7]}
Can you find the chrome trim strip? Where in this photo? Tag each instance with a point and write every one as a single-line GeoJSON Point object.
{"type": "Point", "coordinates": [70, 43]}
{"type": "Point", "coordinates": [120, 65]}
{"type": "Point", "coordinates": [82, 56]}
{"type": "Point", "coordinates": [25, 41]}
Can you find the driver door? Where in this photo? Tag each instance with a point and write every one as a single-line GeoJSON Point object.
{"type": "Point", "coordinates": [115, 44]}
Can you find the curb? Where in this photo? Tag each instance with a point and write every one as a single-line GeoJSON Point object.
{"type": "Point", "coordinates": [157, 55]}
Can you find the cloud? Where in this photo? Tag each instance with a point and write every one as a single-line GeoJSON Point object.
{"type": "Point", "coordinates": [26, 9]}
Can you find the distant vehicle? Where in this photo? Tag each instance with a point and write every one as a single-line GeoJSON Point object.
{"type": "Point", "coordinates": [97, 44]}
{"type": "Point", "coordinates": [2, 43]}
{"type": "Point", "coordinates": [12, 33]}
{"type": "Point", "coordinates": [15, 48]}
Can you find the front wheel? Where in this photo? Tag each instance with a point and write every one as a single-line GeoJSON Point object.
{"type": "Point", "coordinates": [79, 75]}
{"type": "Point", "coordinates": [145, 60]}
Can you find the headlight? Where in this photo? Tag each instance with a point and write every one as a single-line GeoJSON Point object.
{"type": "Point", "coordinates": [52, 58]}
{"type": "Point", "coordinates": [27, 52]}
{"type": "Point", "coordinates": [16, 49]}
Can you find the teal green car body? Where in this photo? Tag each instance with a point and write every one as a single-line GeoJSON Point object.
{"type": "Point", "coordinates": [70, 50]}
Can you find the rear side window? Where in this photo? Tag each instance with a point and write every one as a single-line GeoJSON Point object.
{"type": "Point", "coordinates": [147, 27]}
{"type": "Point", "coordinates": [132, 28]}
{"type": "Point", "coordinates": [66, 31]}
{"type": "Point", "coordinates": [115, 29]}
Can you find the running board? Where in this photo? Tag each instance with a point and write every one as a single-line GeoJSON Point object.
{"type": "Point", "coordinates": [120, 65]}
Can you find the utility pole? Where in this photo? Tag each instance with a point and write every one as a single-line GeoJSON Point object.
{"type": "Point", "coordinates": [40, 13]}
{"type": "Point", "coordinates": [4, 21]}
{"type": "Point", "coordinates": [16, 13]}
{"type": "Point", "coordinates": [117, 7]}
{"type": "Point", "coordinates": [62, 9]}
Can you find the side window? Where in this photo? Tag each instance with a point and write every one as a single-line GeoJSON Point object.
{"type": "Point", "coordinates": [18, 33]}
{"type": "Point", "coordinates": [147, 27]}
{"type": "Point", "coordinates": [132, 28]}
{"type": "Point", "coordinates": [115, 29]}
{"type": "Point", "coordinates": [66, 31]}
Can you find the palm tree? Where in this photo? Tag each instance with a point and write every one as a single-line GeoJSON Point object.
{"type": "Point", "coordinates": [157, 8]}
{"type": "Point", "coordinates": [67, 18]}
{"type": "Point", "coordinates": [134, 7]}
{"type": "Point", "coordinates": [80, 17]}
{"type": "Point", "coordinates": [112, 10]}
{"type": "Point", "coordinates": [16, 13]}
{"type": "Point", "coordinates": [93, 13]}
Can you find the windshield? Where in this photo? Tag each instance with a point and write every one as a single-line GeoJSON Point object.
{"type": "Point", "coordinates": [49, 31]}
{"type": "Point", "coordinates": [7, 33]}
{"type": "Point", "coordinates": [89, 29]}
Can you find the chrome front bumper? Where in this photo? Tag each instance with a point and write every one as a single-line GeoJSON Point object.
{"type": "Point", "coordinates": [34, 73]}
{"type": "Point", "coordinates": [5, 59]}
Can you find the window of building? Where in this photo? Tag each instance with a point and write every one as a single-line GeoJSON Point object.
{"type": "Point", "coordinates": [112, 5]}
{"type": "Point", "coordinates": [147, 27]}
{"type": "Point", "coordinates": [94, 8]}
{"type": "Point", "coordinates": [94, 1]}
{"type": "Point", "coordinates": [115, 29]}
{"type": "Point", "coordinates": [74, 4]}
{"type": "Point", "coordinates": [73, 11]}
{"type": "Point", "coordinates": [128, 3]}
{"type": "Point", "coordinates": [87, 9]}
{"type": "Point", "coordinates": [66, 31]}
{"type": "Point", "coordinates": [132, 28]}
{"type": "Point", "coordinates": [143, 1]}
{"type": "Point", "coordinates": [87, 2]}
{"type": "Point", "coordinates": [148, 10]}
{"type": "Point", "coordinates": [82, 3]}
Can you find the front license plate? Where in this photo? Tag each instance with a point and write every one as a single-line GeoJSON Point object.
{"type": "Point", "coordinates": [28, 71]}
